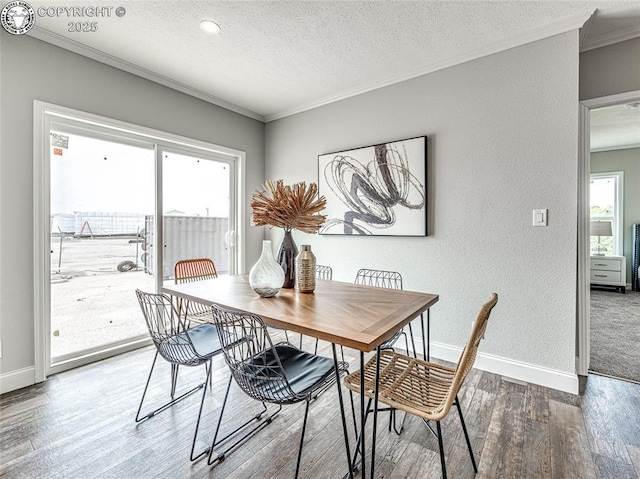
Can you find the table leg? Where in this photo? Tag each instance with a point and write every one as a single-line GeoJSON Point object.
{"type": "Point", "coordinates": [363, 417]}
{"type": "Point", "coordinates": [375, 414]}
{"type": "Point", "coordinates": [426, 354]}
{"type": "Point", "coordinates": [413, 343]}
{"type": "Point", "coordinates": [344, 419]}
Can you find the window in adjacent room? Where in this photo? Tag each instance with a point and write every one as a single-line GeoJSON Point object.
{"type": "Point", "coordinates": [606, 213]}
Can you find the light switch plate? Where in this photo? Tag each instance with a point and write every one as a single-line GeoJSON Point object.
{"type": "Point", "coordinates": [540, 217]}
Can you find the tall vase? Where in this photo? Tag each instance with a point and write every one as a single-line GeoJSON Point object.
{"type": "Point", "coordinates": [305, 270]}
{"type": "Point", "coordinates": [286, 256]}
{"type": "Point", "coordinates": [266, 276]}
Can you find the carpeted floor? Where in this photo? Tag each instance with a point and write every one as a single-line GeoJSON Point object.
{"type": "Point", "coordinates": [615, 334]}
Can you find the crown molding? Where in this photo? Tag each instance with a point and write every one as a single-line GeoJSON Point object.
{"type": "Point", "coordinates": [629, 146]}
{"type": "Point", "coordinates": [611, 100]}
{"type": "Point", "coordinates": [609, 39]}
{"type": "Point", "coordinates": [584, 31]}
{"type": "Point", "coordinates": [557, 28]}
{"type": "Point", "coordinates": [102, 57]}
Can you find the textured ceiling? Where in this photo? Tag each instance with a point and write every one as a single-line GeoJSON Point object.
{"type": "Point", "coordinates": [274, 58]}
{"type": "Point", "coordinates": [615, 127]}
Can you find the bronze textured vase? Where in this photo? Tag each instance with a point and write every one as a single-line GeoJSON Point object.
{"type": "Point", "coordinates": [305, 270]}
{"type": "Point", "coordinates": [286, 256]}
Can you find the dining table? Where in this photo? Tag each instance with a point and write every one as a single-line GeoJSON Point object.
{"type": "Point", "coordinates": [350, 315]}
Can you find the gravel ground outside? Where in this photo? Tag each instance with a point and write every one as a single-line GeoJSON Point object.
{"type": "Point", "coordinates": [92, 303]}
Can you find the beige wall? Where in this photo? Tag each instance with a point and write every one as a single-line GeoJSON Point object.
{"type": "Point", "coordinates": [502, 140]}
{"type": "Point", "coordinates": [628, 161]}
{"type": "Point", "coordinates": [34, 70]}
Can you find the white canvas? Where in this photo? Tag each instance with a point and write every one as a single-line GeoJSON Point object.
{"type": "Point", "coordinates": [376, 190]}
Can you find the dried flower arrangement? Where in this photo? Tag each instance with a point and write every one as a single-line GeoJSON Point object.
{"type": "Point", "coordinates": [289, 207]}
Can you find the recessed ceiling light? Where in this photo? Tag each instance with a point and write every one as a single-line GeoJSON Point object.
{"type": "Point", "coordinates": [633, 106]}
{"type": "Point", "coordinates": [210, 26]}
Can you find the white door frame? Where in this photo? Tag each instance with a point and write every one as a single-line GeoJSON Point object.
{"type": "Point", "coordinates": [584, 168]}
{"type": "Point", "coordinates": [43, 115]}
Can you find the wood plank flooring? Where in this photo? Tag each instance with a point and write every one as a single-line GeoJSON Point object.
{"type": "Point", "coordinates": [80, 424]}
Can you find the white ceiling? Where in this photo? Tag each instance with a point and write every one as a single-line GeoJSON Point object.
{"type": "Point", "coordinates": [616, 127]}
{"type": "Point", "coordinates": [275, 58]}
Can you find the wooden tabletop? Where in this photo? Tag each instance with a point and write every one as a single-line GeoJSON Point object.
{"type": "Point", "coordinates": [356, 316]}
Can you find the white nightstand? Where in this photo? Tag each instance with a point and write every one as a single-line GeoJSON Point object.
{"type": "Point", "coordinates": [609, 271]}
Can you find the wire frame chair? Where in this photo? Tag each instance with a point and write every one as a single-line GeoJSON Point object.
{"type": "Point", "coordinates": [391, 280]}
{"type": "Point", "coordinates": [422, 388]}
{"type": "Point", "coordinates": [188, 271]}
{"type": "Point", "coordinates": [180, 347]}
{"type": "Point", "coordinates": [324, 272]}
{"type": "Point", "coordinates": [379, 278]}
{"type": "Point", "coordinates": [383, 279]}
{"type": "Point", "coordinates": [271, 373]}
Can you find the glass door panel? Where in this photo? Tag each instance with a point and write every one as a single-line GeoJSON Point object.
{"type": "Point", "coordinates": [101, 192]}
{"type": "Point", "coordinates": [197, 210]}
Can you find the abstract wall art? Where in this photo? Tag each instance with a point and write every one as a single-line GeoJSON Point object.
{"type": "Point", "coordinates": [377, 190]}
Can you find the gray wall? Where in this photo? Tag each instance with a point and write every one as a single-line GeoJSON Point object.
{"type": "Point", "coordinates": [502, 136]}
{"type": "Point", "coordinates": [502, 133]}
{"type": "Point", "coordinates": [610, 70]}
{"type": "Point", "coordinates": [628, 161]}
{"type": "Point", "coordinates": [34, 70]}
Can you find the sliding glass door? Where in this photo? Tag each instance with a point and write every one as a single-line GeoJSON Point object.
{"type": "Point", "coordinates": [103, 189]}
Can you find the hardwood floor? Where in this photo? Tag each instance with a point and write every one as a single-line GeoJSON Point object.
{"type": "Point", "coordinates": [80, 424]}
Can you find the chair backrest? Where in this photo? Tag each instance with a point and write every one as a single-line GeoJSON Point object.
{"type": "Point", "coordinates": [251, 355]}
{"type": "Point", "coordinates": [379, 278]}
{"type": "Point", "coordinates": [166, 329]}
{"type": "Point", "coordinates": [324, 272]}
{"type": "Point", "coordinates": [470, 351]}
{"type": "Point", "coordinates": [188, 270]}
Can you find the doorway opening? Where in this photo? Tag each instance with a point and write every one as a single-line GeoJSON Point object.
{"type": "Point", "coordinates": [609, 160]}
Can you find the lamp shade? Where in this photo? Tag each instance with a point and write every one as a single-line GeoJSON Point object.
{"type": "Point", "coordinates": [600, 228]}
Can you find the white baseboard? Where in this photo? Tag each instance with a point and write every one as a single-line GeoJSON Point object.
{"type": "Point", "coordinates": [530, 373]}
{"type": "Point", "coordinates": [17, 379]}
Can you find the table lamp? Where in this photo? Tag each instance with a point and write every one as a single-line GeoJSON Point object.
{"type": "Point", "coordinates": [600, 228]}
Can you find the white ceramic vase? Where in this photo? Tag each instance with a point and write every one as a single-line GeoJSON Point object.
{"type": "Point", "coordinates": [266, 276]}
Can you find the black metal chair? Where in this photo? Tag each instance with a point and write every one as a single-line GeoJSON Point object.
{"type": "Point", "coordinates": [179, 346]}
{"type": "Point", "coordinates": [275, 374]}
{"type": "Point", "coordinates": [384, 279]}
{"type": "Point", "coordinates": [324, 272]}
